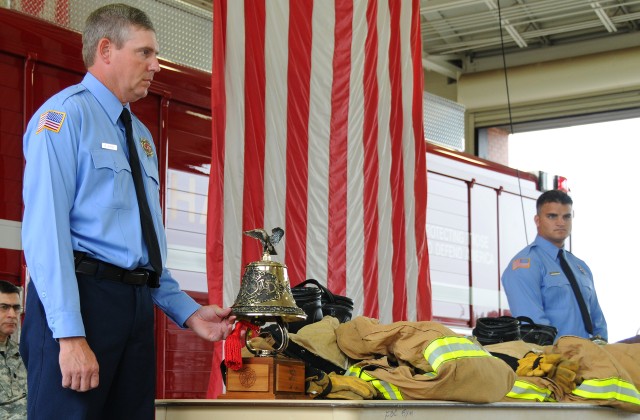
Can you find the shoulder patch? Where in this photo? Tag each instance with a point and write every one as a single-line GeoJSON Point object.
{"type": "Point", "coordinates": [51, 120]}
{"type": "Point", "coordinates": [521, 263]}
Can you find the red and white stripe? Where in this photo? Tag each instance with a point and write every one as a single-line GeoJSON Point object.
{"type": "Point", "coordinates": [317, 128]}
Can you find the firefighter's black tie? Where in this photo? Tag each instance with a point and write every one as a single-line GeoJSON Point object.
{"type": "Point", "coordinates": [146, 220]}
{"type": "Point", "coordinates": [576, 290]}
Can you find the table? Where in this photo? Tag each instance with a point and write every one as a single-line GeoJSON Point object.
{"type": "Point", "coordinates": [376, 410]}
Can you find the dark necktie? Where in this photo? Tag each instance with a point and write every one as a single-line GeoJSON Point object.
{"type": "Point", "coordinates": [148, 231]}
{"type": "Point", "coordinates": [576, 291]}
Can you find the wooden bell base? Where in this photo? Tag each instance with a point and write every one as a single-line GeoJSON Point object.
{"type": "Point", "coordinates": [269, 378]}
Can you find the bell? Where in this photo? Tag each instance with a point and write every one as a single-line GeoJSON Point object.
{"type": "Point", "coordinates": [265, 294]}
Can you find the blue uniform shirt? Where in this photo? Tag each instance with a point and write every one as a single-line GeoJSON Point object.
{"type": "Point", "coordinates": [536, 287]}
{"type": "Point", "coordinates": [79, 195]}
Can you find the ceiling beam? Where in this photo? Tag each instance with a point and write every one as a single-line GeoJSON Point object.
{"type": "Point", "coordinates": [550, 53]}
{"type": "Point", "coordinates": [513, 32]}
{"type": "Point", "coordinates": [604, 18]}
{"type": "Point", "coordinates": [441, 66]}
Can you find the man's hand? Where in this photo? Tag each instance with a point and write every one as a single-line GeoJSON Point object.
{"type": "Point", "coordinates": [211, 322]}
{"type": "Point", "coordinates": [78, 364]}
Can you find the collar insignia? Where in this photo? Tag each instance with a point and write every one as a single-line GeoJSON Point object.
{"type": "Point", "coordinates": [146, 146]}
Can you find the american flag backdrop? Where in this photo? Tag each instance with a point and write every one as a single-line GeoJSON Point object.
{"type": "Point", "coordinates": [317, 128]}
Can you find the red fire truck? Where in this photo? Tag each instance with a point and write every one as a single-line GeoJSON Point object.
{"type": "Point", "coordinates": [479, 213]}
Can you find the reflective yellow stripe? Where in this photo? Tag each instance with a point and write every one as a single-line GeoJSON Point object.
{"type": "Point", "coordinates": [444, 349]}
{"type": "Point", "coordinates": [387, 390]}
{"type": "Point", "coordinates": [605, 389]}
{"type": "Point", "coordinates": [524, 390]}
{"type": "Point", "coordinates": [353, 371]}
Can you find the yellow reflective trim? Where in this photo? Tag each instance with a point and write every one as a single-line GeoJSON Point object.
{"type": "Point", "coordinates": [353, 371]}
{"type": "Point", "coordinates": [386, 389]}
{"type": "Point", "coordinates": [366, 376]}
{"type": "Point", "coordinates": [609, 388]}
{"type": "Point", "coordinates": [444, 349]}
{"type": "Point", "coordinates": [524, 390]}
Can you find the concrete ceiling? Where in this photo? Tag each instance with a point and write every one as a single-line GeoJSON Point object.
{"type": "Point", "coordinates": [466, 36]}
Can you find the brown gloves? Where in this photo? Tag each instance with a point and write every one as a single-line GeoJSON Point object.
{"type": "Point", "coordinates": [334, 386]}
{"type": "Point", "coordinates": [553, 366]}
{"type": "Point", "coordinates": [565, 375]}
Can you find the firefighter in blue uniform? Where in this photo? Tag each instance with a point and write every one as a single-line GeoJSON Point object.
{"type": "Point", "coordinates": [535, 283]}
{"type": "Point", "coordinates": [88, 335]}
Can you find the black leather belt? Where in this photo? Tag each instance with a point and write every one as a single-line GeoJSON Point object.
{"type": "Point", "coordinates": [92, 267]}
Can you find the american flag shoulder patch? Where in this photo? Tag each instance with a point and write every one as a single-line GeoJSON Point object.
{"type": "Point", "coordinates": [521, 263]}
{"type": "Point", "coordinates": [51, 120]}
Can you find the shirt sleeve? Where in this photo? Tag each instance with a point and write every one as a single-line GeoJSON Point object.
{"type": "Point", "coordinates": [599, 322]}
{"type": "Point", "coordinates": [48, 192]}
{"type": "Point", "coordinates": [174, 302]}
{"type": "Point", "coordinates": [522, 282]}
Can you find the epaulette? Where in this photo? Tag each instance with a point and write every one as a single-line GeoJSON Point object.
{"type": "Point", "coordinates": [68, 92]}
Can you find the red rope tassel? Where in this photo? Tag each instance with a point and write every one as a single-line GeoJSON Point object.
{"type": "Point", "coordinates": [234, 343]}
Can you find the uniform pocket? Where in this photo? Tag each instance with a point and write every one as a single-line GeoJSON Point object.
{"type": "Point", "coordinates": [152, 182]}
{"type": "Point", "coordinates": [555, 282]}
{"type": "Point", "coordinates": [113, 172]}
{"type": "Point", "coordinates": [558, 293]}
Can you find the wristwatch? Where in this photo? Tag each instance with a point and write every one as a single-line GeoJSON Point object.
{"type": "Point", "coordinates": [598, 340]}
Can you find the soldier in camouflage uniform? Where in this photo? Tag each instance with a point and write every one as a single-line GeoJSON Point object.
{"type": "Point", "coordinates": [13, 375]}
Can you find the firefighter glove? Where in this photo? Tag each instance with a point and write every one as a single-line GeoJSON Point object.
{"type": "Point", "coordinates": [540, 365]}
{"type": "Point", "coordinates": [318, 384]}
{"type": "Point", "coordinates": [350, 388]}
{"type": "Point", "coordinates": [334, 386]}
{"type": "Point", "coordinates": [565, 375]}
